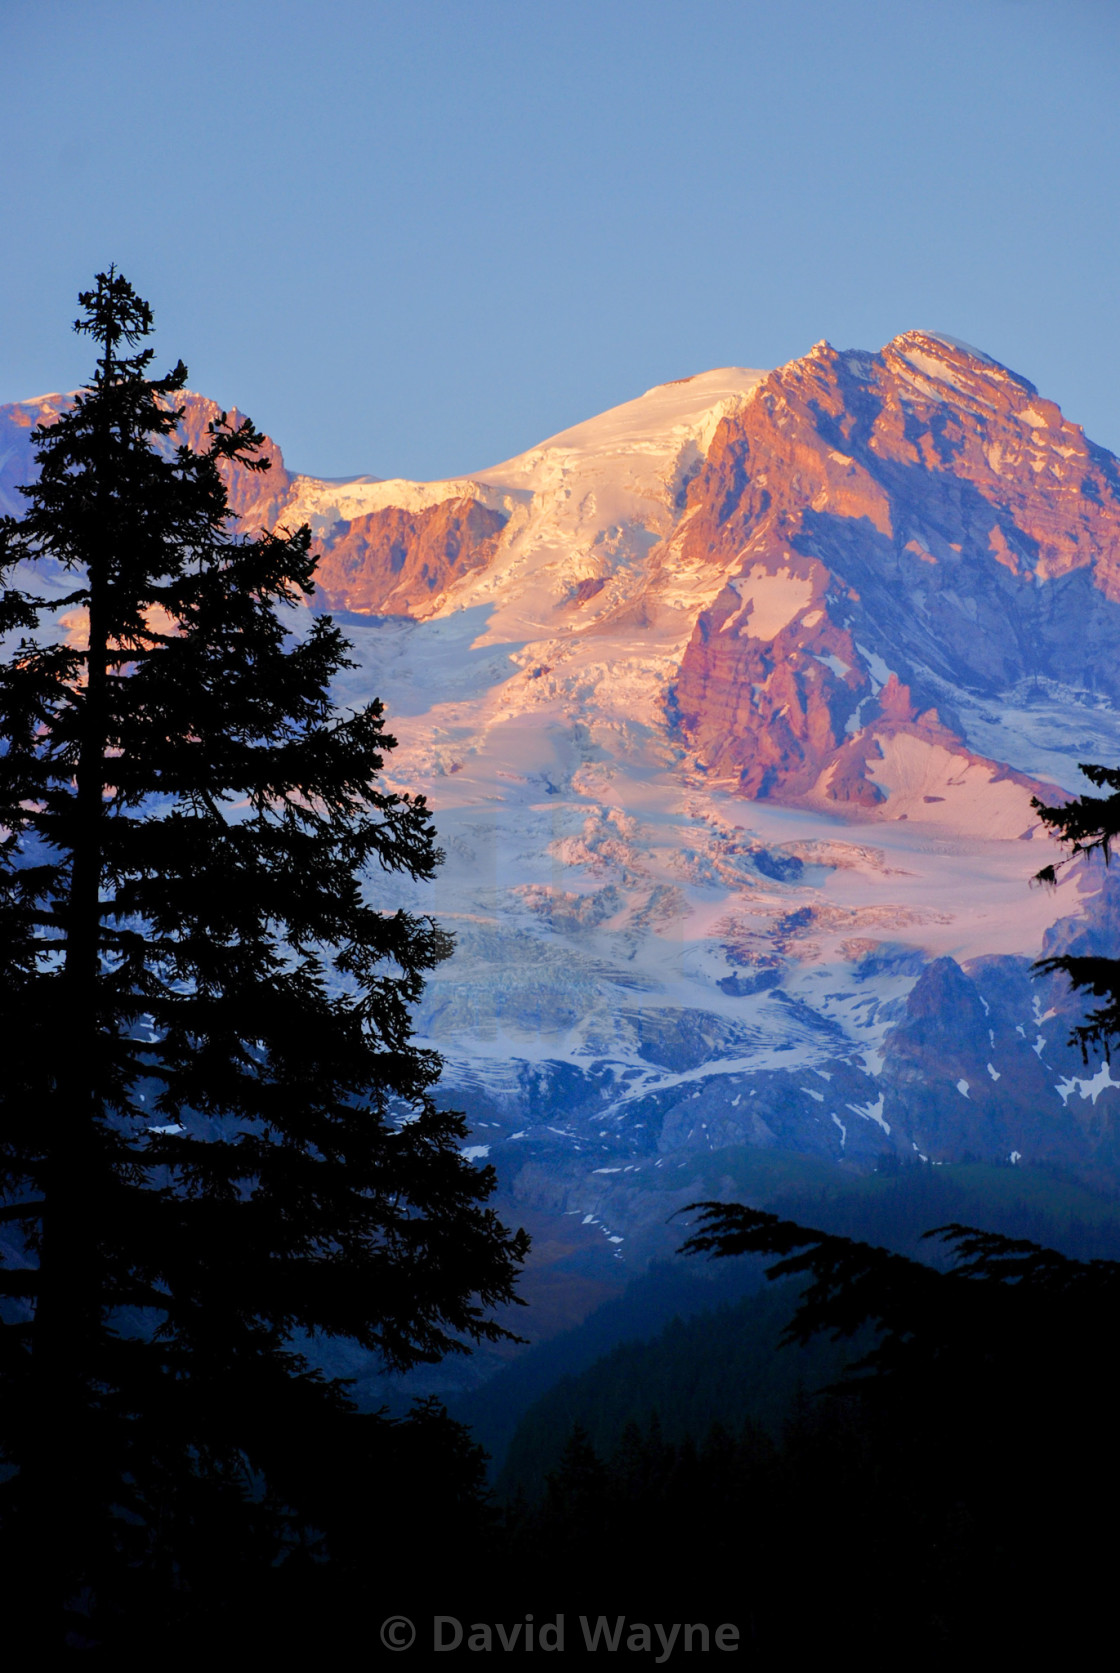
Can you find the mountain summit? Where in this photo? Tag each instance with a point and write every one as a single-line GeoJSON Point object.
{"type": "Point", "coordinates": [731, 703]}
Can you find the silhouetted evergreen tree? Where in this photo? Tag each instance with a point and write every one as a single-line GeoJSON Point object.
{"type": "Point", "coordinates": [217, 1138]}
{"type": "Point", "coordinates": [981, 1419]}
{"type": "Point", "coordinates": [998, 1301]}
{"type": "Point", "coordinates": [1088, 825]}
{"type": "Point", "coordinates": [577, 1484]}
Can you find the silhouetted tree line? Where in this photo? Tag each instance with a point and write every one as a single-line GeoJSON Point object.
{"type": "Point", "coordinates": [724, 1366]}
{"type": "Point", "coordinates": [698, 1342]}
{"type": "Point", "coordinates": [950, 1488]}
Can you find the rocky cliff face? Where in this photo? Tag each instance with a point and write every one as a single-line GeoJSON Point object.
{"type": "Point", "coordinates": [17, 425]}
{"type": "Point", "coordinates": [895, 530]}
{"type": "Point", "coordinates": [396, 562]}
{"type": "Point", "coordinates": [257, 498]}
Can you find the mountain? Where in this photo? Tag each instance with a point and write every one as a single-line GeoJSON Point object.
{"type": "Point", "coordinates": [731, 703]}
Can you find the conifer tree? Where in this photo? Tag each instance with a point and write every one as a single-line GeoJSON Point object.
{"type": "Point", "coordinates": [217, 1136]}
{"type": "Point", "coordinates": [1088, 825]}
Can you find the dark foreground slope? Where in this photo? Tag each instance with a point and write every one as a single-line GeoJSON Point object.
{"type": "Point", "coordinates": [950, 1498]}
{"type": "Point", "coordinates": [696, 1342]}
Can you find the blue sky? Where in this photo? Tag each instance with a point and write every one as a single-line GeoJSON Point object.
{"type": "Point", "coordinates": [414, 238]}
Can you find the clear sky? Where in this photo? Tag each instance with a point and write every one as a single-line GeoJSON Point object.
{"type": "Point", "coordinates": [415, 237]}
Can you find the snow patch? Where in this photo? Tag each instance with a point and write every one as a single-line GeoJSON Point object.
{"type": "Point", "coordinates": [877, 670]}
{"type": "Point", "coordinates": [925, 781]}
{"type": "Point", "coordinates": [872, 1112]}
{"type": "Point", "coordinates": [965, 348]}
{"type": "Point", "coordinates": [770, 601]}
{"type": "Point", "coordinates": [1091, 1089]}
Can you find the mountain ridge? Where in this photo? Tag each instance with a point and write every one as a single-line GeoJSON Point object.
{"type": "Point", "coordinates": [731, 703]}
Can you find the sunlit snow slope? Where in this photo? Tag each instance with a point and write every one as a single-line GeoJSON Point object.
{"type": "Point", "coordinates": [731, 703]}
{"type": "Point", "coordinates": [656, 955]}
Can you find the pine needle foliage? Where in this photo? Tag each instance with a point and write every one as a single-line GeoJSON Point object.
{"type": "Point", "coordinates": [218, 1139]}
{"type": "Point", "coordinates": [995, 1298]}
{"type": "Point", "coordinates": [1088, 825]}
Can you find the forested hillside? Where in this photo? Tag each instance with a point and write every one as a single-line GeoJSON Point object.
{"type": "Point", "coordinates": [692, 1341]}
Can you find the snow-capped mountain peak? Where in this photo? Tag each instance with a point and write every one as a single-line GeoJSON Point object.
{"type": "Point", "coordinates": [731, 703]}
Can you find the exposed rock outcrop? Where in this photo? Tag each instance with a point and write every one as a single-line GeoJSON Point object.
{"type": "Point", "coordinates": [256, 498]}
{"type": "Point", "coordinates": [896, 526]}
{"type": "Point", "coordinates": [396, 562]}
